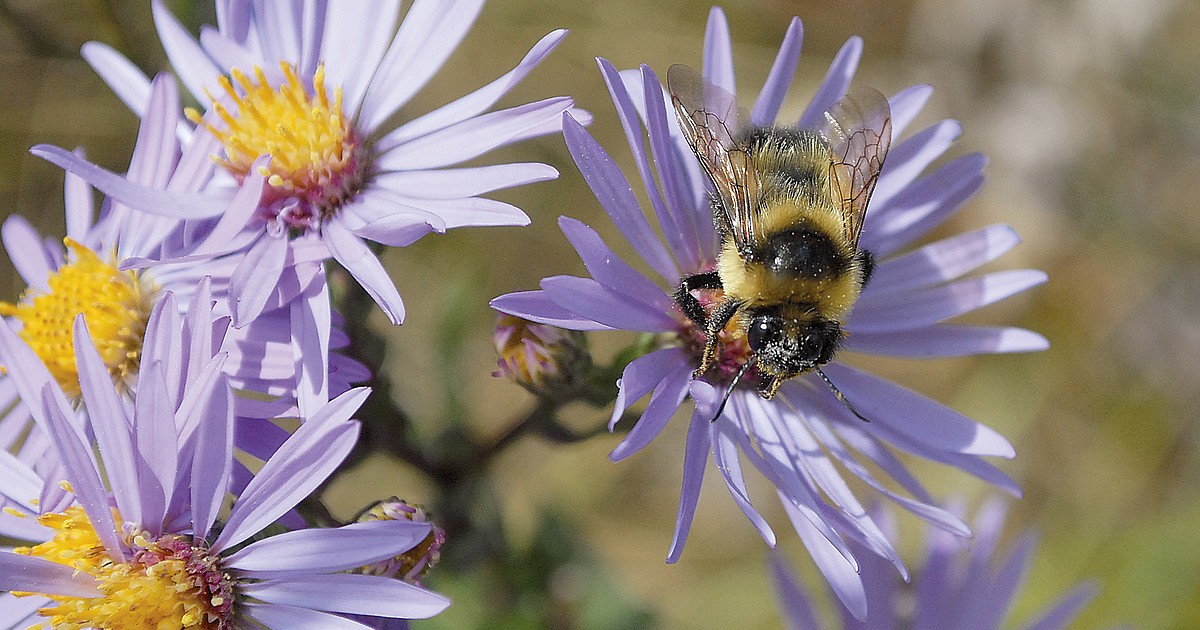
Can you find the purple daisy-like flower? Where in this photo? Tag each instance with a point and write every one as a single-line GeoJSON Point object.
{"type": "Point", "coordinates": [953, 588]}
{"type": "Point", "coordinates": [803, 438]}
{"type": "Point", "coordinates": [132, 527]}
{"type": "Point", "coordinates": [312, 88]}
{"type": "Point", "coordinates": [283, 357]}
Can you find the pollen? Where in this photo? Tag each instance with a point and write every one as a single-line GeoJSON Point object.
{"type": "Point", "coordinates": [167, 583]}
{"type": "Point", "coordinates": [733, 349]}
{"type": "Point", "coordinates": [317, 161]}
{"type": "Point", "coordinates": [116, 305]}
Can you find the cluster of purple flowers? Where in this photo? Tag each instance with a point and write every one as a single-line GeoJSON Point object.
{"type": "Point", "coordinates": [191, 312]}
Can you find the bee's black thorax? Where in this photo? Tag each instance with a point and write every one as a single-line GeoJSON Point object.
{"type": "Point", "coordinates": [800, 253]}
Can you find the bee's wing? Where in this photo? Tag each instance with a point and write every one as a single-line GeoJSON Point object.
{"type": "Point", "coordinates": [711, 120]}
{"type": "Point", "coordinates": [858, 130]}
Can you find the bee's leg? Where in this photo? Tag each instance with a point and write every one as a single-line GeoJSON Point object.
{"type": "Point", "coordinates": [716, 322]}
{"type": "Point", "coordinates": [688, 302]}
{"type": "Point", "coordinates": [866, 262]}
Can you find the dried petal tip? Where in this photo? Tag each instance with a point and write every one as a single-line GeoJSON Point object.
{"type": "Point", "coordinates": [413, 564]}
{"type": "Point", "coordinates": [544, 359]}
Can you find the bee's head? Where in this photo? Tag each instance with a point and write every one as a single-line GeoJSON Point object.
{"type": "Point", "coordinates": [789, 343]}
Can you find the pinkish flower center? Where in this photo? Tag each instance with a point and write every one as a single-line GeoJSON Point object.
{"type": "Point", "coordinates": [733, 349]}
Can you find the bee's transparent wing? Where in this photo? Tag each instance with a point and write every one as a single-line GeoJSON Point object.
{"type": "Point", "coordinates": [858, 130]}
{"type": "Point", "coordinates": [711, 121]}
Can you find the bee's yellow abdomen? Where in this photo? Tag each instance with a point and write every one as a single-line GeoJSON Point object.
{"type": "Point", "coordinates": [755, 284]}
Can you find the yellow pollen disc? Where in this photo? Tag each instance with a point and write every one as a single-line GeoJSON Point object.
{"type": "Point", "coordinates": [309, 140]}
{"type": "Point", "coordinates": [115, 303]}
{"type": "Point", "coordinates": [137, 595]}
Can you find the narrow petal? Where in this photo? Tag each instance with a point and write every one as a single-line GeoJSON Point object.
{"type": "Point", "coordinates": [608, 269]}
{"type": "Point", "coordinates": [473, 137]}
{"type": "Point", "coordinates": [841, 574]}
{"type": "Point", "coordinates": [943, 260]}
{"type": "Point", "coordinates": [18, 482]}
{"type": "Point", "coordinates": [357, 258]}
{"type": "Point", "coordinates": [124, 78]}
{"type": "Point", "coordinates": [590, 299]}
{"type": "Point", "coordinates": [24, 368]}
{"type": "Point", "coordinates": [1066, 609]}
{"type": "Point", "coordinates": [474, 103]}
{"type": "Point", "coordinates": [299, 466]}
{"type": "Point", "coordinates": [110, 422]}
{"type": "Point", "coordinates": [468, 211]}
{"type": "Point", "coordinates": [833, 86]}
{"type": "Point", "coordinates": [766, 106]}
{"type": "Point", "coordinates": [327, 550]}
{"type": "Point", "coordinates": [152, 201]}
{"type": "Point", "coordinates": [431, 30]}
{"type": "Point", "coordinates": [349, 593]}
{"type": "Point", "coordinates": [456, 183]}
{"type": "Point", "coordinates": [908, 159]}
{"type": "Point", "coordinates": [311, 326]}
{"type": "Point", "coordinates": [22, 612]}
{"type": "Point", "coordinates": [163, 339]}
{"type": "Point", "coordinates": [24, 247]}
{"type": "Point", "coordinates": [241, 209]}
{"type": "Point", "coordinates": [212, 461]}
{"type": "Point", "coordinates": [718, 52]}
{"type": "Point", "coordinates": [642, 375]}
{"type": "Point", "coordinates": [536, 306]}
{"type": "Point", "coordinates": [668, 395]}
{"type": "Point", "coordinates": [695, 460]}
{"type": "Point", "coordinates": [690, 233]}
{"type": "Point", "coordinates": [614, 193]}
{"type": "Point", "coordinates": [154, 431]}
{"type": "Point", "coordinates": [35, 575]}
{"type": "Point", "coordinates": [256, 277]}
{"type": "Point", "coordinates": [80, 209]}
{"type": "Point", "coordinates": [725, 457]}
{"type": "Point", "coordinates": [896, 409]}
{"type": "Point", "coordinates": [362, 31]}
{"type": "Point", "coordinates": [82, 471]}
{"type": "Point", "coordinates": [628, 115]}
{"type": "Point", "coordinates": [298, 618]}
{"type": "Point", "coordinates": [911, 309]}
{"type": "Point", "coordinates": [947, 340]}
{"type": "Point", "coordinates": [189, 61]}
{"type": "Point", "coordinates": [905, 106]}
{"type": "Point", "coordinates": [798, 612]}
{"type": "Point", "coordinates": [922, 206]}
{"type": "Point", "coordinates": [390, 222]}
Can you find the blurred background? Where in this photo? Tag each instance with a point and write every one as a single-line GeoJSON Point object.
{"type": "Point", "coordinates": [1090, 113]}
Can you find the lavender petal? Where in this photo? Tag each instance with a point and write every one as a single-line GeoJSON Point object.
{"type": "Point", "coordinates": [327, 550]}
{"type": "Point", "coordinates": [349, 593]}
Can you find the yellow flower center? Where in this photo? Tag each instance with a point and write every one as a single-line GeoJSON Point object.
{"type": "Point", "coordinates": [115, 303]}
{"type": "Point", "coordinates": [168, 584]}
{"type": "Point", "coordinates": [317, 161]}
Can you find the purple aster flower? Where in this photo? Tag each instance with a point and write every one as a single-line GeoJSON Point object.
{"type": "Point", "coordinates": [282, 356]}
{"type": "Point", "coordinates": [305, 111]}
{"type": "Point", "coordinates": [132, 526]}
{"type": "Point", "coordinates": [953, 588]}
{"type": "Point", "coordinates": [802, 439]}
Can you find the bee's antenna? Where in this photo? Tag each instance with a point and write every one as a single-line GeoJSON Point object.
{"type": "Point", "coordinates": [841, 398]}
{"type": "Point", "coordinates": [729, 390]}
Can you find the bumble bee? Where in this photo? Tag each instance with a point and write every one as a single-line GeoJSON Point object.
{"type": "Point", "coordinates": [788, 204]}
